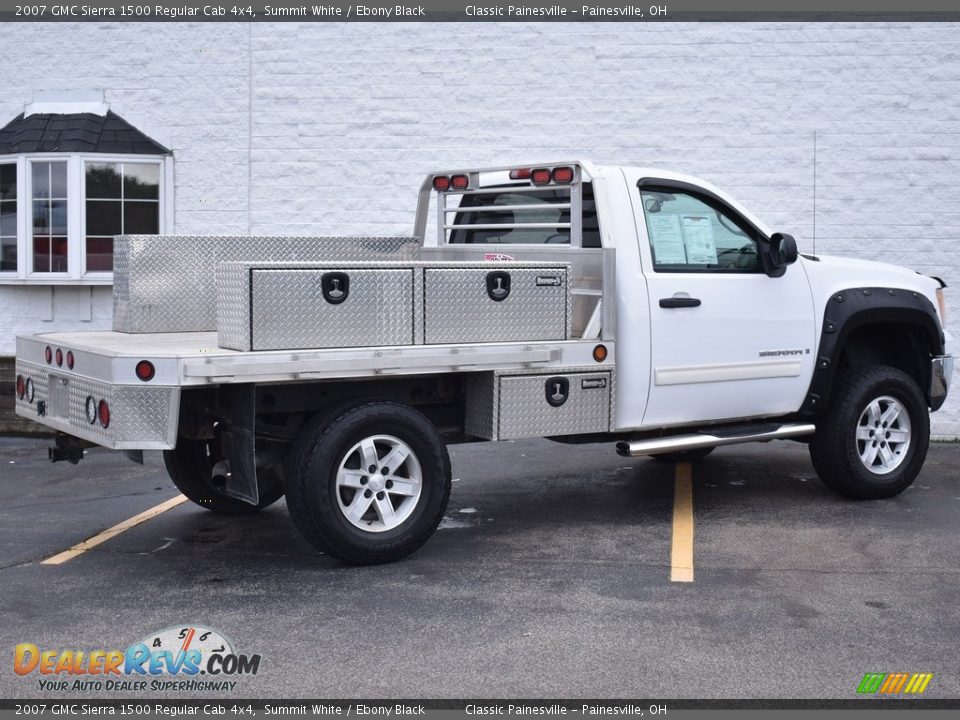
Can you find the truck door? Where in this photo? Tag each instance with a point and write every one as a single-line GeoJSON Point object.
{"type": "Point", "coordinates": [727, 340]}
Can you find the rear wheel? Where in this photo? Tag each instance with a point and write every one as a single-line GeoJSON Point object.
{"type": "Point", "coordinates": [369, 483]}
{"type": "Point", "coordinates": [874, 438]}
{"type": "Point", "coordinates": [190, 466]}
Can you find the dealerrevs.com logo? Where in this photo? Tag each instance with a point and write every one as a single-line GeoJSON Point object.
{"type": "Point", "coordinates": [181, 658]}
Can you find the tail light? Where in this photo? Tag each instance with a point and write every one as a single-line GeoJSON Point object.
{"type": "Point", "coordinates": [520, 174]}
{"type": "Point", "coordinates": [563, 175]}
{"type": "Point", "coordinates": [145, 370]}
{"type": "Point", "coordinates": [21, 387]}
{"type": "Point", "coordinates": [441, 183]}
{"type": "Point", "coordinates": [70, 359]}
{"type": "Point", "coordinates": [103, 412]}
{"type": "Point", "coordinates": [48, 354]}
{"type": "Point", "coordinates": [540, 176]}
{"type": "Point", "coordinates": [91, 408]}
{"type": "Point", "coordinates": [460, 182]}
{"type": "Point", "coordinates": [59, 357]}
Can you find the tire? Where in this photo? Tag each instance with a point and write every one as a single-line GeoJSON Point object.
{"type": "Point", "coordinates": [363, 517]}
{"type": "Point", "coordinates": [871, 403]}
{"type": "Point", "coordinates": [683, 455]}
{"type": "Point", "coordinates": [189, 466]}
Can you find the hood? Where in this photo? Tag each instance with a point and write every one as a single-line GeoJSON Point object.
{"type": "Point", "coordinates": [851, 272]}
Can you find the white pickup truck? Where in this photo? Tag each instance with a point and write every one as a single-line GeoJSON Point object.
{"type": "Point", "coordinates": [562, 300]}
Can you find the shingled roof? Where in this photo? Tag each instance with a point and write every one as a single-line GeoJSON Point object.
{"type": "Point", "coordinates": [79, 132]}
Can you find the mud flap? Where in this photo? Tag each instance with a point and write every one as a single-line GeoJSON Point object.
{"type": "Point", "coordinates": [240, 443]}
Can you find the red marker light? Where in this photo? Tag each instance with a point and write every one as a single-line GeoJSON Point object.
{"type": "Point", "coordinates": [103, 412]}
{"type": "Point", "coordinates": [460, 182]}
{"type": "Point", "coordinates": [48, 354]}
{"type": "Point", "coordinates": [59, 357]}
{"type": "Point", "coordinates": [70, 359]}
{"type": "Point", "coordinates": [145, 370]}
{"type": "Point", "coordinates": [563, 175]}
{"type": "Point", "coordinates": [441, 183]}
{"type": "Point", "coordinates": [21, 387]}
{"type": "Point", "coordinates": [540, 176]}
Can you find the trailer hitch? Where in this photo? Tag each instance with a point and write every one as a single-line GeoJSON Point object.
{"type": "Point", "coordinates": [67, 447]}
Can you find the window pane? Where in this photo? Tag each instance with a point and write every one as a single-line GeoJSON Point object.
{"type": "Point", "coordinates": [8, 182]}
{"type": "Point", "coordinates": [686, 232]}
{"type": "Point", "coordinates": [8, 254]}
{"type": "Point", "coordinates": [99, 254]}
{"type": "Point", "coordinates": [141, 218]}
{"type": "Point", "coordinates": [41, 254]}
{"type": "Point", "coordinates": [103, 180]}
{"type": "Point", "coordinates": [104, 217]}
{"type": "Point", "coordinates": [8, 219]}
{"type": "Point", "coordinates": [41, 217]}
{"type": "Point", "coordinates": [141, 181]}
{"type": "Point", "coordinates": [58, 179]}
{"type": "Point", "coordinates": [41, 179]}
{"type": "Point", "coordinates": [58, 258]}
{"type": "Point", "coordinates": [58, 217]}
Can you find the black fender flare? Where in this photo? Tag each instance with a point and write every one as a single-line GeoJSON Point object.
{"type": "Point", "coordinates": [850, 309]}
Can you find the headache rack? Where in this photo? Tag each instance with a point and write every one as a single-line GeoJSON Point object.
{"type": "Point", "coordinates": [564, 178]}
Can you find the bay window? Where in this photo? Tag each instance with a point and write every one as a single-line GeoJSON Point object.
{"type": "Point", "coordinates": [60, 212]}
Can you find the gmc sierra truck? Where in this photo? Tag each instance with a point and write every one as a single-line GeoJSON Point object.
{"type": "Point", "coordinates": [562, 300]}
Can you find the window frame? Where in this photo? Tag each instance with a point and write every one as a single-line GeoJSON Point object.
{"type": "Point", "coordinates": [77, 273]}
{"type": "Point", "coordinates": [714, 202]}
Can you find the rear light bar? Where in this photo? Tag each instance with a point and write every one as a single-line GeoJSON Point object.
{"type": "Point", "coordinates": [540, 176]}
{"type": "Point", "coordinates": [442, 183]}
{"type": "Point", "coordinates": [562, 175]}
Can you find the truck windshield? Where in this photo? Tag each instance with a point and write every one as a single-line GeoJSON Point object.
{"type": "Point", "coordinates": [501, 214]}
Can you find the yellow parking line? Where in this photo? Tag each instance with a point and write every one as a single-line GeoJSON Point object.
{"type": "Point", "coordinates": [681, 553]}
{"type": "Point", "coordinates": [102, 537]}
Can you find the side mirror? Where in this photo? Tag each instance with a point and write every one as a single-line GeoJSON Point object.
{"type": "Point", "coordinates": [783, 251]}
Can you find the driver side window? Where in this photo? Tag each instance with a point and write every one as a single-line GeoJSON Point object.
{"type": "Point", "coordinates": [688, 234]}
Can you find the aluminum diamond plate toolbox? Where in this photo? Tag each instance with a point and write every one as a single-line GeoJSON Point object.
{"type": "Point", "coordinates": [500, 302]}
{"type": "Point", "coordinates": [560, 404]}
{"type": "Point", "coordinates": [165, 283]}
{"type": "Point", "coordinates": [286, 306]}
{"type": "Point", "coordinates": [509, 406]}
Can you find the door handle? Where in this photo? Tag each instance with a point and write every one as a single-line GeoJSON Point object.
{"type": "Point", "coordinates": [679, 302]}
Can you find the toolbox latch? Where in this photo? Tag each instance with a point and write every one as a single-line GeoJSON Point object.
{"type": "Point", "coordinates": [335, 287]}
{"type": "Point", "coordinates": [498, 285]}
{"type": "Point", "coordinates": [557, 390]}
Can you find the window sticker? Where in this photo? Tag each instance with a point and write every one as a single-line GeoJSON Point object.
{"type": "Point", "coordinates": [698, 239]}
{"type": "Point", "coordinates": [666, 239]}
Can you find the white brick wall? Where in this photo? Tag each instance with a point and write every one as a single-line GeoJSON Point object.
{"type": "Point", "coordinates": [336, 124]}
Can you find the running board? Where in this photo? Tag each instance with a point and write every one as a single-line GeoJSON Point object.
{"type": "Point", "coordinates": [718, 436]}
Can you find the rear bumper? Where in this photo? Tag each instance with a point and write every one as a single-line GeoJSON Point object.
{"type": "Point", "coordinates": [141, 417]}
{"type": "Point", "coordinates": [941, 372]}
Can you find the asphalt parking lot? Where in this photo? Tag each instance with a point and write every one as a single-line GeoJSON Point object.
{"type": "Point", "coordinates": [550, 577]}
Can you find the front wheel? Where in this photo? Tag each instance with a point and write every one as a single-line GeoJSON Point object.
{"type": "Point", "coordinates": [874, 438]}
{"type": "Point", "coordinates": [370, 483]}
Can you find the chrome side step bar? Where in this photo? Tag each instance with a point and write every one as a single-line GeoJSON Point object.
{"type": "Point", "coordinates": [676, 443]}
